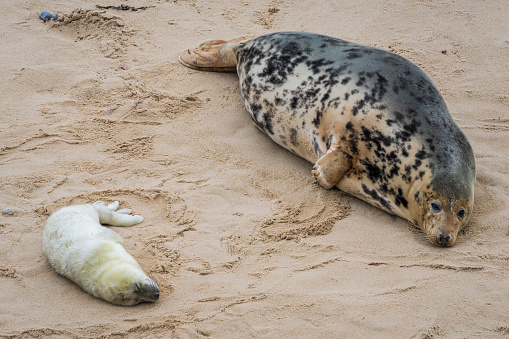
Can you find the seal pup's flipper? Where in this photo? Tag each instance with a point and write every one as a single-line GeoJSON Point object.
{"type": "Point", "coordinates": [212, 55]}
{"type": "Point", "coordinates": [331, 167]}
{"type": "Point", "coordinates": [110, 216]}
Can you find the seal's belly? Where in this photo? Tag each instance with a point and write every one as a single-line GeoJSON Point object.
{"type": "Point", "coordinates": [308, 120]}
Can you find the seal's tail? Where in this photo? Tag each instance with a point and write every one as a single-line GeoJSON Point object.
{"type": "Point", "coordinates": [213, 55]}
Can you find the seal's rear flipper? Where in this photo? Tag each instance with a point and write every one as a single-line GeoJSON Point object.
{"type": "Point", "coordinates": [109, 215]}
{"type": "Point", "coordinates": [212, 55]}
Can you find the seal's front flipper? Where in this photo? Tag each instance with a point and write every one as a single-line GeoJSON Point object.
{"type": "Point", "coordinates": [212, 55]}
{"type": "Point", "coordinates": [109, 215]}
{"type": "Point", "coordinates": [331, 167]}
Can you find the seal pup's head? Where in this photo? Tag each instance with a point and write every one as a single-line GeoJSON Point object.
{"type": "Point", "coordinates": [126, 284]}
{"type": "Point", "coordinates": [447, 207]}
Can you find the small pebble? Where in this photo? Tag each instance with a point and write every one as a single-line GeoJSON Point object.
{"type": "Point", "coordinates": [10, 211]}
{"type": "Point", "coordinates": [444, 52]}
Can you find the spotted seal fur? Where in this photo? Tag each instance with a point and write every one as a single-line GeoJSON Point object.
{"type": "Point", "coordinates": [372, 122]}
{"type": "Point", "coordinates": [92, 256]}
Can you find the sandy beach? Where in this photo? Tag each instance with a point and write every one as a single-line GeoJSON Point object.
{"type": "Point", "coordinates": [240, 239]}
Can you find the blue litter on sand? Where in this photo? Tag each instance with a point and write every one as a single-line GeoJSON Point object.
{"type": "Point", "coordinates": [46, 15]}
{"type": "Point", "coordinates": [10, 211]}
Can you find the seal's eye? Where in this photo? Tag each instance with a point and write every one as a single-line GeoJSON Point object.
{"type": "Point", "coordinates": [461, 214]}
{"type": "Point", "coordinates": [435, 207]}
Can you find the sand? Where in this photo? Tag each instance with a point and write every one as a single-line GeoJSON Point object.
{"type": "Point", "coordinates": [239, 238]}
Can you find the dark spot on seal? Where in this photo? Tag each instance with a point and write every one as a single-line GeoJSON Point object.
{"type": "Point", "coordinates": [278, 65]}
{"type": "Point", "coordinates": [360, 105]}
{"type": "Point", "coordinates": [376, 197]}
{"type": "Point", "coordinates": [417, 164]}
{"type": "Point", "coordinates": [315, 65]}
{"type": "Point", "coordinates": [421, 155]}
{"type": "Point", "coordinates": [267, 118]}
{"type": "Point", "coordinates": [329, 141]}
{"type": "Point", "coordinates": [345, 80]}
{"type": "Point", "coordinates": [293, 137]}
{"type": "Point", "coordinates": [399, 116]}
{"type": "Point", "coordinates": [294, 103]}
{"type": "Point", "coordinates": [354, 53]}
{"type": "Point", "coordinates": [279, 102]}
{"type": "Point", "coordinates": [275, 72]}
{"type": "Point", "coordinates": [389, 122]}
{"type": "Point", "coordinates": [353, 56]}
{"type": "Point", "coordinates": [392, 157]}
{"type": "Point", "coordinates": [412, 127]}
{"type": "Point", "coordinates": [255, 110]}
{"type": "Point", "coordinates": [430, 143]}
{"type": "Point", "coordinates": [408, 169]}
{"type": "Point", "coordinates": [316, 120]}
{"type": "Point", "coordinates": [376, 137]}
{"type": "Point", "coordinates": [325, 97]}
{"type": "Point", "coordinates": [374, 172]}
{"type": "Point", "coordinates": [354, 140]}
{"type": "Point", "coordinates": [316, 147]}
{"type": "Point", "coordinates": [400, 199]}
{"type": "Point", "coordinates": [393, 172]}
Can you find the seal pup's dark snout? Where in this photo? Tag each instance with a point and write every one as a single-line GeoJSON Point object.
{"type": "Point", "coordinates": [149, 292]}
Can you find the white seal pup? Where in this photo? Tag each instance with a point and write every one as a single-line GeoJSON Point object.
{"type": "Point", "coordinates": [92, 256]}
{"type": "Point", "coordinates": [372, 123]}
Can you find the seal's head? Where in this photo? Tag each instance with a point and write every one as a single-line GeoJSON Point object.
{"type": "Point", "coordinates": [126, 284]}
{"type": "Point", "coordinates": [447, 206]}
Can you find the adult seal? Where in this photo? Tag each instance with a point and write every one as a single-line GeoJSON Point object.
{"type": "Point", "coordinates": [92, 256]}
{"type": "Point", "coordinates": [372, 123]}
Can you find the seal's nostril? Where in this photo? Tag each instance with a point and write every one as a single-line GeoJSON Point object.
{"type": "Point", "coordinates": [156, 296]}
{"type": "Point", "coordinates": [444, 240]}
